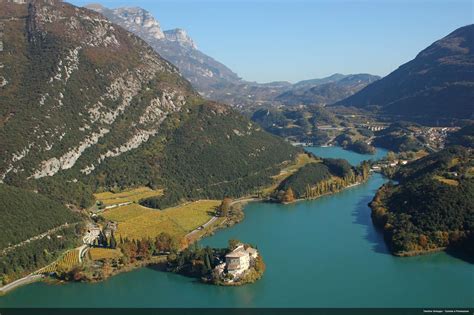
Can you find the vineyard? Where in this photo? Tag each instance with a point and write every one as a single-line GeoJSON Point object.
{"type": "Point", "coordinates": [104, 253]}
{"type": "Point", "coordinates": [69, 260]}
{"type": "Point", "coordinates": [132, 195]}
{"type": "Point", "coordinates": [137, 222]}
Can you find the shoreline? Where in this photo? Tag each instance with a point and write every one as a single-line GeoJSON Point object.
{"type": "Point", "coordinates": [156, 260]}
{"type": "Point", "coordinates": [31, 278]}
{"type": "Point", "coordinates": [200, 234]}
{"type": "Point", "coordinates": [419, 252]}
{"type": "Point", "coordinates": [322, 195]}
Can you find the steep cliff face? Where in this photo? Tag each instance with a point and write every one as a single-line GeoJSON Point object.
{"type": "Point", "coordinates": [181, 37]}
{"type": "Point", "coordinates": [437, 84]}
{"type": "Point", "coordinates": [175, 45]}
{"type": "Point", "coordinates": [84, 101]}
{"type": "Point", "coordinates": [77, 89]}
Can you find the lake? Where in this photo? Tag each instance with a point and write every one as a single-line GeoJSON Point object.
{"type": "Point", "coordinates": [319, 253]}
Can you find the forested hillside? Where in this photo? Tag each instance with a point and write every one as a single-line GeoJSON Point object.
{"type": "Point", "coordinates": [464, 137]}
{"type": "Point", "coordinates": [26, 214]}
{"type": "Point", "coordinates": [89, 106]}
{"type": "Point", "coordinates": [212, 152]}
{"type": "Point", "coordinates": [316, 179]}
{"type": "Point", "coordinates": [434, 87]}
{"type": "Point", "coordinates": [34, 231]}
{"type": "Point", "coordinates": [399, 137]}
{"type": "Point", "coordinates": [431, 207]}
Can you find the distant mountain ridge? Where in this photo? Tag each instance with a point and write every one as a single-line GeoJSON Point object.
{"type": "Point", "coordinates": [437, 84]}
{"type": "Point", "coordinates": [326, 90]}
{"type": "Point", "coordinates": [214, 80]}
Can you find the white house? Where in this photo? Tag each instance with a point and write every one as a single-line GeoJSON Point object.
{"type": "Point", "coordinates": [238, 261]}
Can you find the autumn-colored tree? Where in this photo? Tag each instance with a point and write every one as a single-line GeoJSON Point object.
{"type": "Point", "coordinates": [184, 242]}
{"type": "Point", "coordinates": [166, 243]}
{"type": "Point", "coordinates": [224, 208]}
{"type": "Point", "coordinates": [143, 249]}
{"type": "Point", "coordinates": [106, 269]}
{"type": "Point", "coordinates": [423, 241]}
{"type": "Point", "coordinates": [289, 196]}
{"type": "Point", "coordinates": [129, 249]}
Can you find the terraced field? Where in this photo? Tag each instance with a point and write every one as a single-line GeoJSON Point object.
{"type": "Point", "coordinates": [136, 222]}
{"type": "Point", "coordinates": [104, 253]}
{"type": "Point", "coordinates": [66, 262]}
{"type": "Point", "coordinates": [132, 195]}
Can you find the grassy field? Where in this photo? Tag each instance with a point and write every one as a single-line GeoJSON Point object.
{"type": "Point", "coordinates": [104, 253]}
{"type": "Point", "coordinates": [137, 222]}
{"type": "Point", "coordinates": [133, 195]}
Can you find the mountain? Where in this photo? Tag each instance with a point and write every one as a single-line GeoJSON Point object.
{"type": "Point", "coordinates": [87, 105]}
{"type": "Point", "coordinates": [209, 77]}
{"type": "Point", "coordinates": [437, 84]}
{"type": "Point", "coordinates": [315, 82]}
{"type": "Point", "coordinates": [214, 80]}
{"type": "Point", "coordinates": [464, 137]}
{"type": "Point", "coordinates": [174, 45]}
{"type": "Point", "coordinates": [325, 91]}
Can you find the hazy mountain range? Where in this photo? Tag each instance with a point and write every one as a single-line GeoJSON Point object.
{"type": "Point", "coordinates": [216, 81]}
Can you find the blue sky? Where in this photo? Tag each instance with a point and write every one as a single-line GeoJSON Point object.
{"type": "Point", "coordinates": [292, 40]}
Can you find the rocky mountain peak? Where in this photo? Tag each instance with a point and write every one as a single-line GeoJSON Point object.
{"type": "Point", "coordinates": [141, 18]}
{"type": "Point", "coordinates": [181, 37]}
{"type": "Point", "coordinates": [176, 46]}
{"type": "Point", "coordinates": [135, 19]}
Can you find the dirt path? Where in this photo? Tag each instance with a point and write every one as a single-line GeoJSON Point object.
{"type": "Point", "coordinates": [34, 238]}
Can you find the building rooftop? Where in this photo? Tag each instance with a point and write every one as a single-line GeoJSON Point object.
{"type": "Point", "coordinates": [237, 254]}
{"type": "Point", "coordinates": [251, 250]}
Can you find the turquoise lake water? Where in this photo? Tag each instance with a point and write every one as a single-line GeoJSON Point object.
{"type": "Point", "coordinates": [319, 253]}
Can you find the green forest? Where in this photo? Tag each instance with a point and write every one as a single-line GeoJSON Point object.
{"type": "Point", "coordinates": [316, 179]}
{"type": "Point", "coordinates": [431, 207]}
{"type": "Point", "coordinates": [399, 137]}
{"type": "Point", "coordinates": [36, 254]}
{"type": "Point", "coordinates": [26, 214]}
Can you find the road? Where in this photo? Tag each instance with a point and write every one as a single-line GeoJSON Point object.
{"type": "Point", "coordinates": [34, 238]}
{"type": "Point", "coordinates": [36, 277]}
{"type": "Point", "coordinates": [82, 251]}
{"type": "Point", "coordinates": [215, 218]}
{"type": "Point", "coordinates": [204, 225]}
{"type": "Point", "coordinates": [28, 279]}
